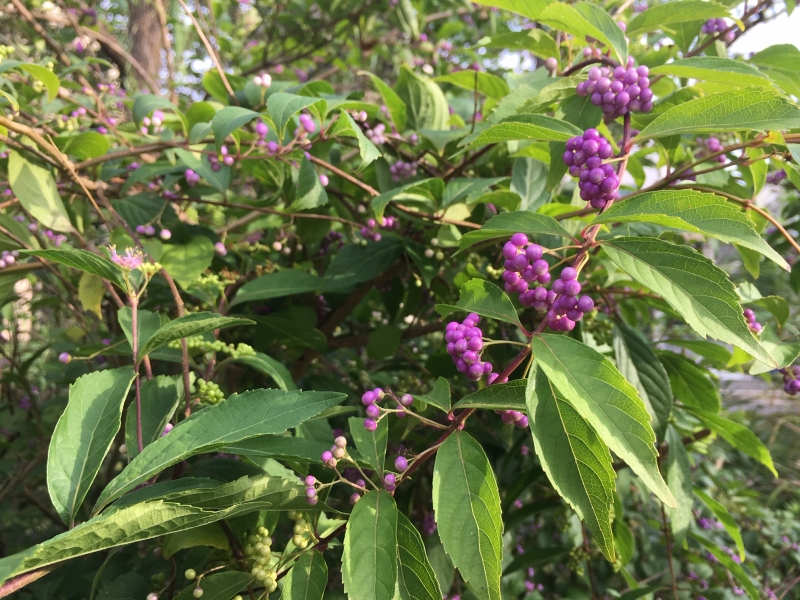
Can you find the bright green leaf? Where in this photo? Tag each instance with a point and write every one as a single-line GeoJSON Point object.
{"type": "Point", "coordinates": [371, 445]}
{"type": "Point", "coordinates": [160, 398]}
{"type": "Point", "coordinates": [307, 579]}
{"type": "Point", "coordinates": [287, 282]}
{"type": "Point", "coordinates": [484, 298]}
{"type": "Point", "coordinates": [36, 190]}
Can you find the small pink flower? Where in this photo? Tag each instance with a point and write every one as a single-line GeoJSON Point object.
{"type": "Point", "coordinates": [131, 260]}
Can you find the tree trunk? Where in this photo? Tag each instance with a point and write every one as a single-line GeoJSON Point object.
{"type": "Point", "coordinates": [146, 43]}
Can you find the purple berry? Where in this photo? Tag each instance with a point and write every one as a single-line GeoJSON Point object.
{"type": "Point", "coordinates": [400, 463]}
{"type": "Point", "coordinates": [370, 424]}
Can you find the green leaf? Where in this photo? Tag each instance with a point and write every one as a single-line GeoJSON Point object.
{"type": "Point", "coordinates": [369, 560]}
{"type": "Point", "coordinates": [693, 211]}
{"type": "Point", "coordinates": [228, 120]}
{"type": "Point", "coordinates": [393, 102]}
{"type": "Point", "coordinates": [242, 416]}
{"type": "Point", "coordinates": [347, 127]}
{"type": "Point", "coordinates": [87, 144]}
{"type": "Point", "coordinates": [416, 579]}
{"type": "Point", "coordinates": [535, 41]}
{"type": "Point", "coordinates": [523, 127]}
{"type": "Point", "coordinates": [150, 519]}
{"type": "Point", "coordinates": [466, 503]}
{"type": "Point", "coordinates": [426, 104]}
{"type": "Point", "coordinates": [90, 294]}
{"type": "Point", "coordinates": [82, 260]}
{"type": "Point", "coordinates": [219, 586]}
{"type": "Point", "coordinates": [526, 8]}
{"type": "Point", "coordinates": [484, 298]}
{"type": "Point", "coordinates": [784, 353]}
{"type": "Point", "coordinates": [560, 89]}
{"type": "Point", "coordinates": [754, 108]}
{"type": "Point", "coordinates": [500, 396]}
{"type": "Point", "coordinates": [355, 264]}
{"type": "Point", "coordinates": [587, 20]}
{"type": "Point", "coordinates": [780, 63]}
{"type": "Point", "coordinates": [160, 398]}
{"type": "Point", "coordinates": [725, 518]}
{"type": "Point", "coordinates": [83, 435]}
{"type": "Point", "coordinates": [679, 479]}
{"type": "Point", "coordinates": [738, 436]}
{"type": "Point", "coordinates": [186, 262]}
{"type": "Point", "coordinates": [147, 324]}
{"type": "Point", "coordinates": [383, 342]}
{"type": "Point", "coordinates": [200, 112]}
{"type": "Point", "coordinates": [36, 190]}
{"type": "Point", "coordinates": [714, 69]}
{"type": "Point", "coordinates": [777, 305]}
{"type": "Point", "coordinates": [505, 225]}
{"type": "Point", "coordinates": [716, 355]}
{"type": "Point", "coordinates": [45, 75]}
{"type": "Point", "coordinates": [282, 107]}
{"type": "Point", "coordinates": [465, 189]}
{"type": "Point", "coordinates": [728, 563]}
{"type": "Point", "coordinates": [611, 405]}
{"type": "Point", "coordinates": [287, 282]}
{"type": "Point", "coordinates": [640, 366]}
{"type": "Point", "coordinates": [307, 579]}
{"type": "Point", "coordinates": [310, 191]}
{"type": "Point", "coordinates": [271, 367]}
{"type": "Point", "coordinates": [576, 460]}
{"type": "Point", "coordinates": [189, 325]}
{"type": "Point", "coordinates": [371, 445]}
{"type": "Point", "coordinates": [439, 396]}
{"type": "Point", "coordinates": [293, 331]}
{"type": "Point", "coordinates": [692, 284]}
{"type": "Point", "coordinates": [529, 180]}
{"type": "Point", "coordinates": [487, 84]}
{"type": "Point", "coordinates": [211, 535]}
{"type": "Point", "coordinates": [427, 191]}
{"type": "Point", "coordinates": [690, 384]}
{"type": "Point", "coordinates": [279, 447]}
{"type": "Point", "coordinates": [661, 16]}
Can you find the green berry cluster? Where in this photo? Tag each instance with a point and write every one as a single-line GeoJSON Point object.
{"type": "Point", "coordinates": [301, 530]}
{"type": "Point", "coordinates": [259, 549]}
{"type": "Point", "coordinates": [209, 392]}
{"type": "Point", "coordinates": [214, 281]}
{"type": "Point", "coordinates": [602, 330]}
{"type": "Point", "coordinates": [197, 343]}
{"type": "Point", "coordinates": [6, 51]}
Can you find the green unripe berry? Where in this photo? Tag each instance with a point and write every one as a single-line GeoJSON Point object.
{"type": "Point", "coordinates": [269, 582]}
{"type": "Point", "coordinates": [249, 550]}
{"type": "Point", "coordinates": [252, 539]}
{"type": "Point", "coordinates": [237, 597]}
{"type": "Point", "coordinates": [190, 574]}
{"type": "Point", "coordinates": [262, 531]}
{"type": "Point", "coordinates": [262, 560]}
{"type": "Point", "coordinates": [264, 551]}
{"type": "Point", "coordinates": [198, 592]}
{"type": "Point", "coordinates": [272, 587]}
{"type": "Point", "coordinates": [255, 571]}
{"type": "Point", "coordinates": [298, 529]}
{"type": "Point", "coordinates": [261, 575]}
{"type": "Point", "coordinates": [266, 540]}
{"type": "Point", "coordinates": [297, 540]}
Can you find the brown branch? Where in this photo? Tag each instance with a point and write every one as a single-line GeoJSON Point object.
{"type": "Point", "coordinates": [17, 583]}
{"type": "Point", "coordinates": [162, 19]}
{"type": "Point", "coordinates": [356, 182]}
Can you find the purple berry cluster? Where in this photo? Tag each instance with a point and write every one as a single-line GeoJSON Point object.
{"type": "Point", "coordinates": [261, 131]}
{"type": "Point", "coordinates": [752, 323]}
{"type": "Point", "coordinates": [403, 170]}
{"type": "Point", "coordinates": [710, 146]}
{"type": "Point", "coordinates": [311, 490]}
{"type": "Point", "coordinates": [567, 308]}
{"type": "Point", "coordinates": [376, 134]}
{"type": "Point", "coordinates": [464, 345]}
{"type": "Point", "coordinates": [307, 125]}
{"type": "Point", "coordinates": [223, 157]}
{"type": "Point", "coordinates": [192, 178]}
{"type": "Point", "coordinates": [775, 177]}
{"type": "Point", "coordinates": [8, 258]}
{"type": "Point", "coordinates": [370, 399]}
{"type": "Point", "coordinates": [619, 91]}
{"type": "Point", "coordinates": [791, 379]}
{"type": "Point", "coordinates": [598, 181]}
{"type": "Point", "coordinates": [523, 267]}
{"type": "Point", "coordinates": [715, 26]}
{"type": "Point", "coordinates": [513, 417]}
{"type": "Point", "coordinates": [156, 122]}
{"type": "Point", "coordinates": [370, 231]}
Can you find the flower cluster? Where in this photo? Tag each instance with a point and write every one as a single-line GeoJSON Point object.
{"type": "Point", "coordinates": [523, 266]}
{"type": "Point", "coordinates": [752, 323]}
{"type": "Point", "coordinates": [376, 134]}
{"type": "Point", "coordinates": [619, 91]}
{"type": "Point", "coordinates": [464, 345]}
{"type": "Point", "coordinates": [791, 379]}
{"type": "Point", "coordinates": [131, 260]}
{"type": "Point", "coordinates": [370, 231]}
{"type": "Point", "coordinates": [223, 156]}
{"type": "Point", "coordinates": [710, 146]}
{"type": "Point", "coordinates": [402, 170]}
{"type": "Point", "coordinates": [584, 156]}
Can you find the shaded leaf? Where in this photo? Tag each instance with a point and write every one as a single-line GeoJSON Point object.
{"type": "Point", "coordinates": [679, 479]}
{"type": "Point", "coordinates": [83, 260]}
{"type": "Point", "coordinates": [271, 367]}
{"type": "Point", "coordinates": [187, 326]}
{"type": "Point", "coordinates": [371, 445]}
{"type": "Point", "coordinates": [484, 298]}
{"type": "Point", "coordinates": [416, 579]}
{"type": "Point", "coordinates": [725, 518]}
{"type": "Point", "coordinates": [690, 384]}
{"type": "Point", "coordinates": [286, 282]}
{"type": "Point", "coordinates": [505, 225]}
{"type": "Point", "coordinates": [160, 398]}
{"type": "Point", "coordinates": [307, 579]}
{"type": "Point", "coordinates": [499, 396]}
{"type": "Point", "coordinates": [36, 190]}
